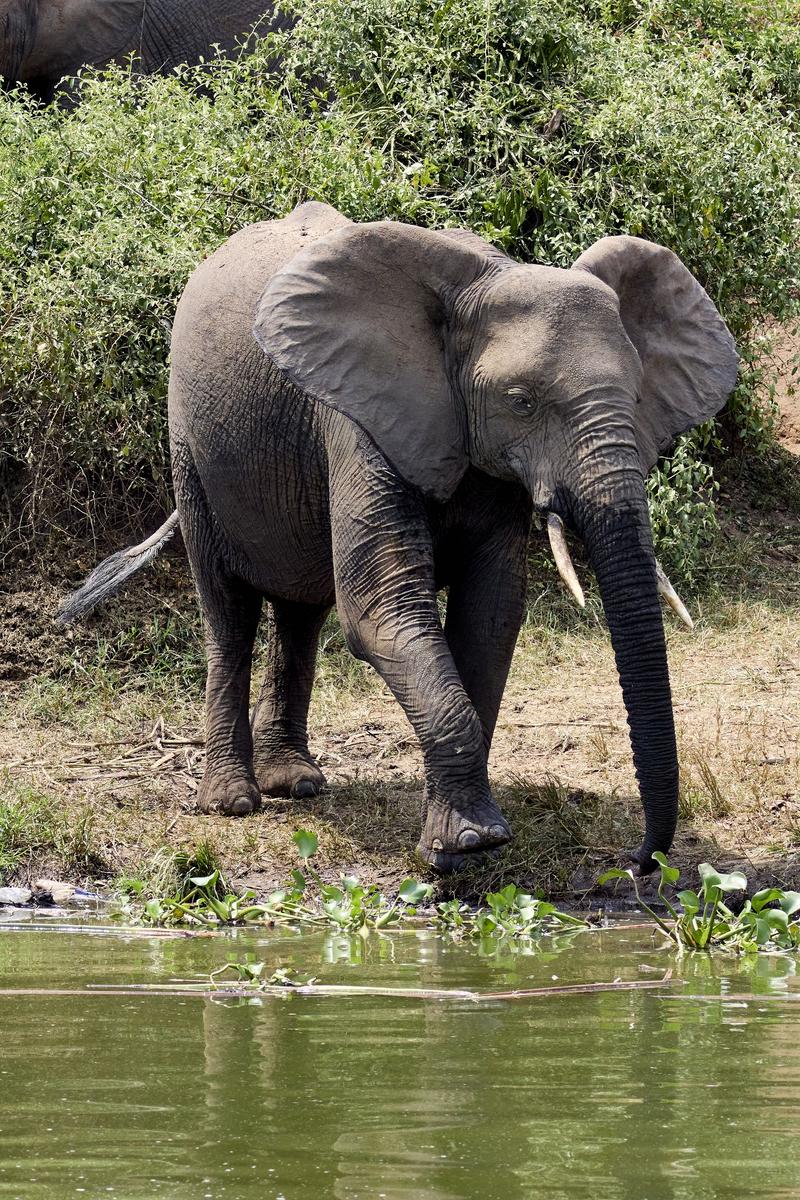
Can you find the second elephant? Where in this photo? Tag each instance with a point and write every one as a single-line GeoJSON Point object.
{"type": "Point", "coordinates": [42, 41]}
{"type": "Point", "coordinates": [408, 399]}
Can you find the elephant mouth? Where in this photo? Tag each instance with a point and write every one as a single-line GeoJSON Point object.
{"type": "Point", "coordinates": [566, 569]}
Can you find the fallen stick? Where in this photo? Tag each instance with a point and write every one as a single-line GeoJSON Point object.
{"type": "Point", "coordinates": [337, 989]}
{"type": "Point", "coordinates": [141, 931]}
{"type": "Point", "coordinates": [755, 997]}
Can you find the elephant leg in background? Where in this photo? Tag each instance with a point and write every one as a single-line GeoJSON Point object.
{"type": "Point", "coordinates": [486, 601]}
{"type": "Point", "coordinates": [281, 759]}
{"type": "Point", "coordinates": [231, 610]}
{"type": "Point", "coordinates": [386, 598]}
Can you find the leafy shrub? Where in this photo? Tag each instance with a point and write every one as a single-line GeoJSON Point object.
{"type": "Point", "coordinates": [541, 127]}
{"type": "Point", "coordinates": [682, 492]}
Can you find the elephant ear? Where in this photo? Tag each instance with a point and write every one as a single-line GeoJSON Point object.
{"type": "Point", "coordinates": [360, 321]}
{"type": "Point", "coordinates": [688, 356]}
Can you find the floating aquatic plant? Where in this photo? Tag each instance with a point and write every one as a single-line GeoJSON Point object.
{"type": "Point", "coordinates": [703, 920]}
{"type": "Point", "coordinates": [199, 895]}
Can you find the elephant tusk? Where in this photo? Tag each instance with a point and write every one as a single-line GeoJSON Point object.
{"type": "Point", "coordinates": [558, 544]}
{"type": "Point", "coordinates": [672, 598]}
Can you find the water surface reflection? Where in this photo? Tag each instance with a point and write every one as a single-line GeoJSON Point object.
{"type": "Point", "coordinates": [626, 1096]}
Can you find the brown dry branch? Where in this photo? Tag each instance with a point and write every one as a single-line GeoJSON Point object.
{"type": "Point", "coordinates": [339, 990]}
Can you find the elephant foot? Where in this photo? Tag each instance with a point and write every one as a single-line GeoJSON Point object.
{"type": "Point", "coordinates": [289, 773]}
{"type": "Point", "coordinates": [450, 839]}
{"type": "Point", "coordinates": [230, 795]}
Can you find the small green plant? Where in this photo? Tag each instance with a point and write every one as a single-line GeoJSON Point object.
{"type": "Point", "coordinates": [703, 919]}
{"type": "Point", "coordinates": [249, 972]}
{"type": "Point", "coordinates": [187, 897]}
{"type": "Point", "coordinates": [353, 906]}
{"type": "Point", "coordinates": [509, 913]}
{"type": "Point", "coordinates": [193, 891]}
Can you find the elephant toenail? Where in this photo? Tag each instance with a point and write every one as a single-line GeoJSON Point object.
{"type": "Point", "coordinates": [499, 831]}
{"type": "Point", "coordinates": [437, 845]}
{"type": "Point", "coordinates": [304, 789]}
{"type": "Point", "coordinates": [468, 840]}
{"type": "Point", "coordinates": [241, 806]}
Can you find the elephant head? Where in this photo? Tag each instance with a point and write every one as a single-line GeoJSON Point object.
{"type": "Point", "coordinates": [571, 382]}
{"type": "Point", "coordinates": [18, 24]}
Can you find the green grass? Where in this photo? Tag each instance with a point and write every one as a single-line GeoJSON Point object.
{"type": "Point", "coordinates": [33, 829]}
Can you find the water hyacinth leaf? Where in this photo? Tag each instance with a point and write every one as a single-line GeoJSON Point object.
{"type": "Point", "coordinates": [307, 843]}
{"type": "Point", "coordinates": [734, 881]}
{"type": "Point", "coordinates": [205, 881]}
{"type": "Point", "coordinates": [690, 902]}
{"type": "Point", "coordinates": [763, 930]}
{"type": "Point", "coordinates": [299, 880]}
{"type": "Point", "coordinates": [668, 874]}
{"type": "Point", "coordinates": [766, 896]}
{"type": "Point", "coordinates": [412, 891]}
{"type": "Point", "coordinates": [790, 902]}
{"type": "Point", "coordinates": [329, 891]}
{"type": "Point", "coordinates": [485, 923]}
{"type": "Point", "coordinates": [336, 912]}
{"type": "Point", "coordinates": [777, 919]}
{"type": "Point", "coordinates": [615, 873]}
{"type": "Point", "coordinates": [220, 907]}
{"type": "Point", "coordinates": [390, 917]}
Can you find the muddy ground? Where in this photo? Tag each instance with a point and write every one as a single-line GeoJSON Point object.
{"type": "Point", "coordinates": [102, 728]}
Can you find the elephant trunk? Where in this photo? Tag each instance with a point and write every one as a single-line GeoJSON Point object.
{"type": "Point", "coordinates": [614, 522]}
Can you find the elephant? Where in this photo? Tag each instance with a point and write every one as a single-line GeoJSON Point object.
{"type": "Point", "coordinates": [362, 414]}
{"type": "Point", "coordinates": [42, 41]}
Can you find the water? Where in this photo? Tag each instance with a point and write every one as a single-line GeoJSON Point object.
{"type": "Point", "coordinates": [631, 1095]}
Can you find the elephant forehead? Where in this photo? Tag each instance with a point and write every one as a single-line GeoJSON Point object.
{"type": "Point", "coordinates": [555, 296]}
{"type": "Point", "coordinates": [548, 323]}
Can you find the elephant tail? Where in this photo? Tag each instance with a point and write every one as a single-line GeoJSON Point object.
{"type": "Point", "coordinates": [111, 575]}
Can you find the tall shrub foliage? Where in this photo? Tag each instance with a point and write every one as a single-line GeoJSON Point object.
{"type": "Point", "coordinates": [542, 127]}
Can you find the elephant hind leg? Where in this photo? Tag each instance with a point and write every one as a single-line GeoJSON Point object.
{"type": "Point", "coordinates": [231, 609]}
{"type": "Point", "coordinates": [281, 760]}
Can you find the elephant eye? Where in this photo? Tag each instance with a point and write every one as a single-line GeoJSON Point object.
{"type": "Point", "coordinates": [520, 401]}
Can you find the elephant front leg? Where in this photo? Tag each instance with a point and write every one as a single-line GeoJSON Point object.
{"type": "Point", "coordinates": [386, 596]}
{"type": "Point", "coordinates": [281, 759]}
{"type": "Point", "coordinates": [487, 580]}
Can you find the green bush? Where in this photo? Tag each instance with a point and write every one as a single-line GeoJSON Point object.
{"type": "Point", "coordinates": [541, 127]}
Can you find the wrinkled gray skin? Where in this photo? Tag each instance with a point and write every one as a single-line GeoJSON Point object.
{"type": "Point", "coordinates": [42, 41]}
{"type": "Point", "coordinates": [408, 399]}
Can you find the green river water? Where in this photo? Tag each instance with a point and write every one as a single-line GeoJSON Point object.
{"type": "Point", "coordinates": [688, 1091]}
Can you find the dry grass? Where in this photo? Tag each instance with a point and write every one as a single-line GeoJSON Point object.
{"type": "Point", "coordinates": [123, 773]}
